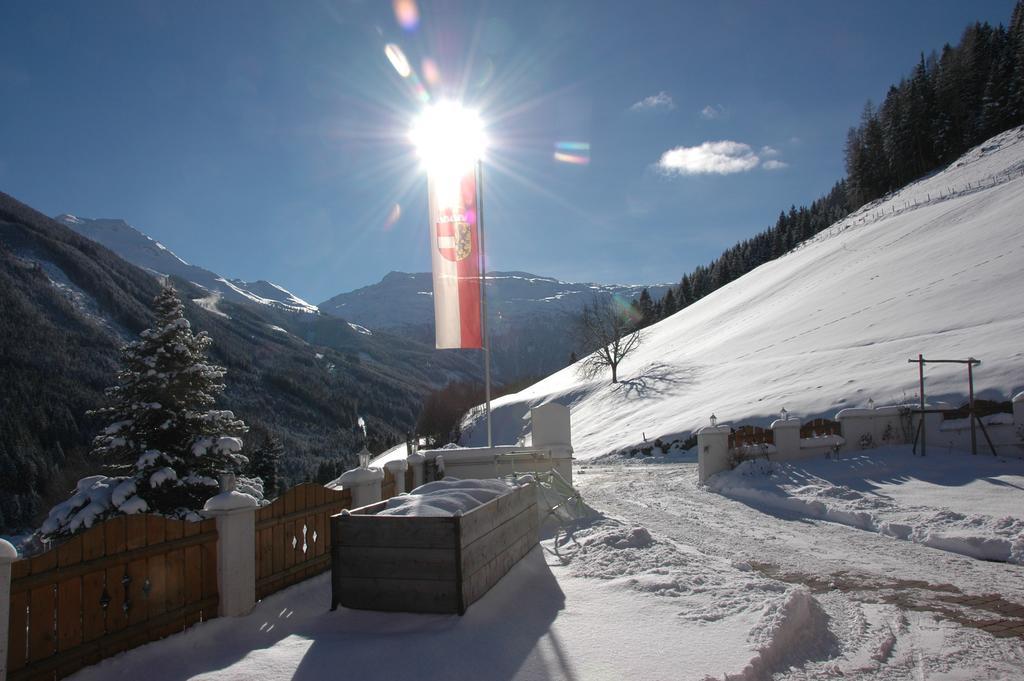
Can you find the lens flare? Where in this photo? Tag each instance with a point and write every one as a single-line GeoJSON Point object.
{"type": "Point", "coordinates": [394, 215]}
{"type": "Point", "coordinates": [407, 14]}
{"type": "Point", "coordinates": [576, 153]}
{"type": "Point", "coordinates": [625, 308]}
{"type": "Point", "coordinates": [449, 138]}
{"type": "Point", "coordinates": [431, 73]}
{"type": "Point", "coordinates": [397, 58]}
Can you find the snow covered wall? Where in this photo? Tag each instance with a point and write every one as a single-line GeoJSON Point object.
{"type": "Point", "coordinates": [935, 269]}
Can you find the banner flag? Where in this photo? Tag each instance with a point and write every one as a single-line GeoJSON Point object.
{"type": "Point", "coordinates": [455, 248]}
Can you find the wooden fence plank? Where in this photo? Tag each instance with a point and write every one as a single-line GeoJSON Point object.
{"type": "Point", "coordinates": [93, 543]}
{"type": "Point", "coordinates": [277, 541]}
{"type": "Point", "coordinates": [138, 608]}
{"type": "Point", "coordinates": [93, 612]}
{"type": "Point", "coordinates": [175, 569]}
{"type": "Point", "coordinates": [193, 589]}
{"type": "Point", "coordinates": [69, 614]}
{"type": "Point", "coordinates": [114, 534]}
{"type": "Point", "coordinates": [117, 614]}
{"type": "Point", "coordinates": [18, 621]}
{"type": "Point", "coordinates": [135, 531]}
{"type": "Point", "coordinates": [41, 636]}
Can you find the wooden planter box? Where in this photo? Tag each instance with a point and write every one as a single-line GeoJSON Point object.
{"type": "Point", "coordinates": [423, 564]}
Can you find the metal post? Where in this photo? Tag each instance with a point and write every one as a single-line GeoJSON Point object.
{"type": "Point", "coordinates": [483, 297]}
{"type": "Point", "coordinates": [970, 403]}
{"type": "Point", "coordinates": [920, 376]}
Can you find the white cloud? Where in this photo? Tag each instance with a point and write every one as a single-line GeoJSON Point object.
{"type": "Point", "coordinates": [712, 111]}
{"type": "Point", "coordinates": [773, 164]}
{"type": "Point", "coordinates": [661, 101]}
{"type": "Point", "coordinates": [722, 158]}
{"type": "Point", "coordinates": [769, 152]}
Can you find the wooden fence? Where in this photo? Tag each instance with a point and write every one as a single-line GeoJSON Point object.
{"type": "Point", "coordinates": [820, 428]}
{"type": "Point", "coordinates": [751, 436]}
{"type": "Point", "coordinates": [124, 582]}
{"type": "Point", "coordinates": [293, 536]}
{"type": "Point", "coordinates": [387, 487]}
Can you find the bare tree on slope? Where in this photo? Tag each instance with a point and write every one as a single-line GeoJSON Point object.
{"type": "Point", "coordinates": [605, 324]}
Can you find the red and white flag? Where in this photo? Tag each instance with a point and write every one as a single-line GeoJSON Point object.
{"type": "Point", "coordinates": [455, 248]}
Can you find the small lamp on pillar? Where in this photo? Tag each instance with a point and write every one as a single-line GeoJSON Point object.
{"type": "Point", "coordinates": [784, 415]}
{"type": "Point", "coordinates": [364, 458]}
{"type": "Point", "coordinates": [871, 403]}
{"type": "Point", "coordinates": [714, 421]}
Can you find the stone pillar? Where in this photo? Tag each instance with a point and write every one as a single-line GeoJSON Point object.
{"type": "Point", "coordinates": [236, 548]}
{"type": "Point", "coordinates": [418, 462]}
{"type": "Point", "coordinates": [398, 468]}
{"type": "Point", "coordinates": [7, 556]}
{"type": "Point", "coordinates": [364, 484]}
{"type": "Point", "coordinates": [712, 451]}
{"type": "Point", "coordinates": [786, 434]}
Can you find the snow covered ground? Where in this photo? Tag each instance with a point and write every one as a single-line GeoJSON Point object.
{"type": "Point", "coordinates": [671, 580]}
{"type": "Point", "coordinates": [949, 500]}
{"type": "Point", "coordinates": [933, 269]}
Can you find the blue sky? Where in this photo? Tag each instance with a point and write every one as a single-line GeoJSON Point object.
{"type": "Point", "coordinates": [269, 139]}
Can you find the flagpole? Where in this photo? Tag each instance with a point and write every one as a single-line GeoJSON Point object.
{"type": "Point", "coordinates": [483, 297]}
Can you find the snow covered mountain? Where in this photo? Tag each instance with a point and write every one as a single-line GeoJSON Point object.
{"type": "Point", "coordinates": [149, 254]}
{"type": "Point", "coordinates": [935, 268]}
{"type": "Point", "coordinates": [530, 316]}
{"type": "Point", "coordinates": [402, 299]}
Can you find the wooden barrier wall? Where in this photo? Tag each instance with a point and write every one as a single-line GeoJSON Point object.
{"type": "Point", "coordinates": [430, 564]}
{"type": "Point", "coordinates": [293, 536]}
{"type": "Point", "coordinates": [122, 583]}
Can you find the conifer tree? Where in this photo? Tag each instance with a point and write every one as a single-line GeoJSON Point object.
{"type": "Point", "coordinates": [263, 462]}
{"type": "Point", "coordinates": [165, 444]}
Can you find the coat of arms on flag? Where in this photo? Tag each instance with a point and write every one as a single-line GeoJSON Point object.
{"type": "Point", "coordinates": [454, 240]}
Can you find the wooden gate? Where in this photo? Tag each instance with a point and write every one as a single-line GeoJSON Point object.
{"type": "Point", "coordinates": [124, 582]}
{"type": "Point", "coordinates": [293, 536]}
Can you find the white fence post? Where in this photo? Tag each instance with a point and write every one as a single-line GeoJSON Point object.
{"type": "Point", "coordinates": [7, 556]}
{"type": "Point", "coordinates": [398, 468]}
{"type": "Point", "coordinates": [364, 483]}
{"type": "Point", "coordinates": [712, 451]}
{"type": "Point", "coordinates": [1018, 409]}
{"type": "Point", "coordinates": [786, 434]}
{"type": "Point", "coordinates": [236, 548]}
{"type": "Point", "coordinates": [551, 428]}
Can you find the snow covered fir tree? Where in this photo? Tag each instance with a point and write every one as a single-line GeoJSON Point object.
{"type": "Point", "coordinates": [165, 445]}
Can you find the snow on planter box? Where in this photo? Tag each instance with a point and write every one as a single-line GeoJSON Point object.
{"type": "Point", "coordinates": [437, 549]}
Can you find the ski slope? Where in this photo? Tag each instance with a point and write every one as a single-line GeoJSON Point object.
{"type": "Point", "coordinates": [932, 269]}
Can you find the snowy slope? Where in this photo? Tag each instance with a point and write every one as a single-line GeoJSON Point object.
{"type": "Point", "coordinates": [830, 324]}
{"type": "Point", "coordinates": [151, 255]}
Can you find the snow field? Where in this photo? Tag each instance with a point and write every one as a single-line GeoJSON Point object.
{"type": "Point", "coordinates": [949, 500]}
{"type": "Point", "coordinates": [890, 607]}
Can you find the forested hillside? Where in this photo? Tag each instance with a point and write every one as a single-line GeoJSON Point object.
{"type": "Point", "coordinates": [66, 306]}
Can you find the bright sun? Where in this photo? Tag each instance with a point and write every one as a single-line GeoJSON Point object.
{"type": "Point", "coordinates": [449, 138]}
